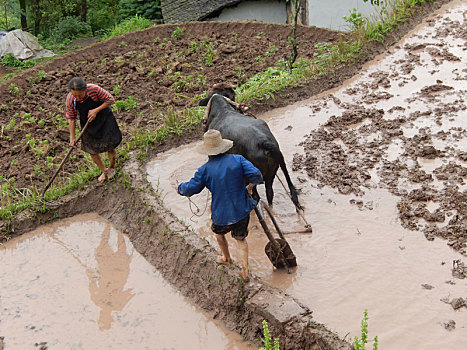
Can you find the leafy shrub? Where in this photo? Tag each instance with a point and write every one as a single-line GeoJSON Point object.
{"type": "Point", "coordinates": [129, 25]}
{"type": "Point", "coordinates": [70, 28]}
{"type": "Point", "coordinates": [355, 19]}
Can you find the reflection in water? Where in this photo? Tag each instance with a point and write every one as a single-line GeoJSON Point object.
{"type": "Point", "coordinates": [107, 287]}
{"type": "Point", "coordinates": [107, 281]}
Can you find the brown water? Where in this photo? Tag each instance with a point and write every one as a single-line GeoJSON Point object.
{"type": "Point", "coordinates": [359, 256]}
{"type": "Point", "coordinates": [80, 284]}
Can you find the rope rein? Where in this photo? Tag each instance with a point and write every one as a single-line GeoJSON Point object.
{"type": "Point", "coordinates": [197, 212]}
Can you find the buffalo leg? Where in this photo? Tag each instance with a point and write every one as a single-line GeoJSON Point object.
{"type": "Point", "coordinates": [269, 192]}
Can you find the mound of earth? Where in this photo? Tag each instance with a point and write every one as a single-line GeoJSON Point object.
{"type": "Point", "coordinates": [156, 67]}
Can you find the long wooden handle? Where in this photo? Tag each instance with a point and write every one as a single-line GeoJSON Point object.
{"type": "Point", "coordinates": [65, 159]}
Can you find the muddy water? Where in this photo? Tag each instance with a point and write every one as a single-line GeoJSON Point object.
{"type": "Point", "coordinates": [359, 255]}
{"type": "Point", "coordinates": [79, 284]}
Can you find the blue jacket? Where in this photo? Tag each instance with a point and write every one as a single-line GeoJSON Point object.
{"type": "Point", "coordinates": [224, 175]}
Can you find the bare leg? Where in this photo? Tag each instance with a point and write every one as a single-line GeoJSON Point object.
{"type": "Point", "coordinates": [96, 158]}
{"type": "Point", "coordinates": [112, 155]}
{"type": "Point", "coordinates": [224, 246]}
{"type": "Point", "coordinates": [242, 246]}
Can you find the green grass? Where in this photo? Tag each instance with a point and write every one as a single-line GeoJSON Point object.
{"type": "Point", "coordinates": [129, 25]}
{"type": "Point", "coordinates": [264, 85]}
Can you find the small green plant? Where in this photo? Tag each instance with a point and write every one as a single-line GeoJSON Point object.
{"type": "Point", "coordinates": [193, 47]}
{"type": "Point", "coordinates": [40, 75]}
{"type": "Point", "coordinates": [11, 125]}
{"type": "Point", "coordinates": [13, 89]}
{"type": "Point", "coordinates": [118, 59]}
{"type": "Point", "coordinates": [272, 49]}
{"type": "Point", "coordinates": [60, 122]}
{"type": "Point", "coordinates": [178, 33]}
{"type": "Point", "coordinates": [355, 19]}
{"type": "Point", "coordinates": [323, 55]}
{"type": "Point", "coordinates": [122, 43]}
{"type": "Point", "coordinates": [28, 118]}
{"type": "Point", "coordinates": [103, 61]}
{"type": "Point", "coordinates": [267, 340]}
{"type": "Point", "coordinates": [117, 89]}
{"type": "Point", "coordinates": [359, 343]}
{"type": "Point", "coordinates": [209, 53]}
{"type": "Point", "coordinates": [125, 105]}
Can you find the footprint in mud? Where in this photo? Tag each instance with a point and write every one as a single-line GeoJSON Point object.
{"type": "Point", "coordinates": [362, 206]}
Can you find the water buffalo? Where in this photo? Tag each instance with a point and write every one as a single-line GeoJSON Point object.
{"type": "Point", "coordinates": [252, 139]}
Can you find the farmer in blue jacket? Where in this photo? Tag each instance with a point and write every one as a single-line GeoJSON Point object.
{"type": "Point", "coordinates": [225, 175]}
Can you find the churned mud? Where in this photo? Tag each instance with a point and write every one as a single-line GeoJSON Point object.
{"type": "Point", "coordinates": [401, 125]}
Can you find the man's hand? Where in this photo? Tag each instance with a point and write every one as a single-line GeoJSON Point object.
{"type": "Point", "coordinates": [249, 189]}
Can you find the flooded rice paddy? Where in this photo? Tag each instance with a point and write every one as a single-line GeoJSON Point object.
{"type": "Point", "coordinates": [357, 153]}
{"type": "Point", "coordinates": [80, 284]}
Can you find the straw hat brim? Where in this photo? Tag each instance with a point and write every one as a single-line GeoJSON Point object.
{"type": "Point", "coordinates": [222, 147]}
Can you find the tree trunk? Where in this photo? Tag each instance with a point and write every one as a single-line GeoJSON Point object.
{"type": "Point", "coordinates": [84, 10]}
{"type": "Point", "coordinates": [24, 22]}
{"type": "Point", "coordinates": [37, 16]}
